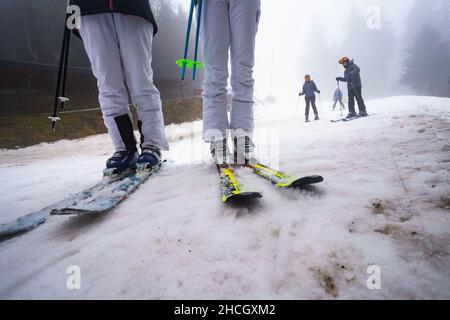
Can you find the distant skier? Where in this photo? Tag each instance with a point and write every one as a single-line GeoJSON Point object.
{"type": "Point", "coordinates": [338, 97]}
{"type": "Point", "coordinates": [229, 26]}
{"type": "Point", "coordinates": [353, 78]}
{"type": "Point", "coordinates": [309, 90]}
{"type": "Point", "coordinates": [117, 36]}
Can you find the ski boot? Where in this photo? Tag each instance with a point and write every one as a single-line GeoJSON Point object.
{"type": "Point", "coordinates": [307, 120]}
{"type": "Point", "coordinates": [244, 151]}
{"type": "Point", "coordinates": [362, 114]}
{"type": "Point", "coordinates": [121, 164]}
{"type": "Point", "coordinates": [220, 153]}
{"type": "Point", "coordinates": [351, 115]}
{"type": "Point", "coordinates": [316, 117]}
{"type": "Point", "coordinates": [149, 160]}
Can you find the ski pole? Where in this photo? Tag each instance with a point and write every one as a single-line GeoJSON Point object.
{"type": "Point", "coordinates": [197, 35]}
{"type": "Point", "coordinates": [63, 99]}
{"type": "Point", "coordinates": [64, 53]}
{"type": "Point", "coordinates": [320, 106]}
{"type": "Point", "coordinates": [188, 36]}
{"type": "Point", "coordinates": [340, 98]}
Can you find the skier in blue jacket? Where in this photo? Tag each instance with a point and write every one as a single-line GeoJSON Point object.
{"type": "Point", "coordinates": [353, 78]}
{"type": "Point", "coordinates": [309, 90]}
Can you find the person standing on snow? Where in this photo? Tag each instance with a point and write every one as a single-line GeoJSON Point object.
{"type": "Point", "coordinates": [229, 26]}
{"type": "Point", "coordinates": [338, 97]}
{"type": "Point", "coordinates": [309, 91]}
{"type": "Point", "coordinates": [354, 84]}
{"type": "Point", "coordinates": [117, 36]}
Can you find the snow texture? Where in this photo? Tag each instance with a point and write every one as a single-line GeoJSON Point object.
{"type": "Point", "coordinates": [385, 201]}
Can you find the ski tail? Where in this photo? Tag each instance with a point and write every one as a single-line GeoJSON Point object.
{"type": "Point", "coordinates": [232, 189]}
{"type": "Point", "coordinates": [283, 179]}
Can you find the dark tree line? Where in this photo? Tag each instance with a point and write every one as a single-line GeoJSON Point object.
{"type": "Point", "coordinates": [372, 50]}
{"type": "Point", "coordinates": [32, 32]}
{"type": "Point", "coordinates": [426, 67]}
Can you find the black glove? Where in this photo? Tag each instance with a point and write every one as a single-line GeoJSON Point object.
{"type": "Point", "coordinates": [338, 79]}
{"type": "Point", "coordinates": [318, 91]}
{"type": "Point", "coordinates": [300, 94]}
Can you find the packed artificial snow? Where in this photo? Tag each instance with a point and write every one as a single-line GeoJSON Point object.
{"type": "Point", "coordinates": [385, 201]}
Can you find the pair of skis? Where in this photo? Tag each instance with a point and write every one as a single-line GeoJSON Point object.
{"type": "Point", "coordinates": [234, 190]}
{"type": "Point", "coordinates": [98, 199]}
{"type": "Point", "coordinates": [350, 119]}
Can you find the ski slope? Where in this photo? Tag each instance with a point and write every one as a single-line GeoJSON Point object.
{"type": "Point", "coordinates": [385, 201]}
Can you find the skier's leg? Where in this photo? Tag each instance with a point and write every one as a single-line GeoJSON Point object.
{"type": "Point", "coordinates": [308, 103]}
{"type": "Point", "coordinates": [334, 105]}
{"type": "Point", "coordinates": [313, 102]}
{"type": "Point", "coordinates": [215, 36]}
{"type": "Point", "coordinates": [244, 20]}
{"type": "Point", "coordinates": [360, 100]}
{"type": "Point", "coordinates": [101, 45]}
{"type": "Point", "coordinates": [135, 36]}
{"type": "Point", "coordinates": [351, 101]}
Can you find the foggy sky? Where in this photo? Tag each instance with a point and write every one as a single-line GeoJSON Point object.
{"type": "Point", "coordinates": [285, 30]}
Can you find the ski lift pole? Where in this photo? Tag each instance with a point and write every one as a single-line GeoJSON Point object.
{"type": "Point", "coordinates": [197, 35]}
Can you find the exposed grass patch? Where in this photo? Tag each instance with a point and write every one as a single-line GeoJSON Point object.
{"type": "Point", "coordinates": [27, 129]}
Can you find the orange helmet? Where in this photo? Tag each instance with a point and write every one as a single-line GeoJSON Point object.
{"type": "Point", "coordinates": [344, 60]}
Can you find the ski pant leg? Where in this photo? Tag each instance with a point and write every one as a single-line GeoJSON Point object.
{"type": "Point", "coordinates": [334, 104]}
{"type": "Point", "coordinates": [135, 36]}
{"type": "Point", "coordinates": [102, 47]}
{"type": "Point", "coordinates": [313, 102]}
{"type": "Point", "coordinates": [215, 36]}
{"type": "Point", "coordinates": [351, 100]}
{"type": "Point", "coordinates": [244, 19]}
{"type": "Point", "coordinates": [360, 100]}
{"type": "Point", "coordinates": [307, 106]}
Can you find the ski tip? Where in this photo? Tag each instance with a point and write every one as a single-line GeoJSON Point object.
{"type": "Point", "coordinates": [306, 181]}
{"type": "Point", "coordinates": [242, 197]}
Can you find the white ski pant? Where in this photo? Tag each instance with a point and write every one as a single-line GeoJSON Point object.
{"type": "Point", "coordinates": [228, 26]}
{"type": "Point", "coordinates": [120, 50]}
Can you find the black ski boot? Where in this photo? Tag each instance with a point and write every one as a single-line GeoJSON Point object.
{"type": "Point", "coordinates": [362, 114]}
{"type": "Point", "coordinates": [149, 158]}
{"type": "Point", "coordinates": [121, 164]}
{"type": "Point", "coordinates": [316, 117]}
{"type": "Point", "coordinates": [351, 115]}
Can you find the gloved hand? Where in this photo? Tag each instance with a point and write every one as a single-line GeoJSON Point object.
{"type": "Point", "coordinates": [300, 94]}
{"type": "Point", "coordinates": [318, 91]}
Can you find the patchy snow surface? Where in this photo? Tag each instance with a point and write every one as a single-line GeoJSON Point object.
{"type": "Point", "coordinates": [385, 201]}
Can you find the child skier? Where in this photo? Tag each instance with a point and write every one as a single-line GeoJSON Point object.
{"type": "Point", "coordinates": [338, 97]}
{"type": "Point", "coordinates": [353, 78]}
{"type": "Point", "coordinates": [117, 36]}
{"type": "Point", "coordinates": [229, 26]}
{"type": "Point", "coordinates": [309, 89]}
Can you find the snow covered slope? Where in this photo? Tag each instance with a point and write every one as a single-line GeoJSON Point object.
{"type": "Point", "coordinates": [385, 201]}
